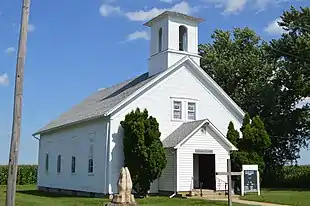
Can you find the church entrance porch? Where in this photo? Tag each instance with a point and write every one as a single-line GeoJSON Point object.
{"type": "Point", "coordinates": [204, 171]}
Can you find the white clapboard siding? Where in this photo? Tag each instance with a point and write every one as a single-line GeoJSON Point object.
{"type": "Point", "coordinates": [80, 141]}
{"type": "Point", "coordinates": [168, 179]}
{"type": "Point", "coordinates": [200, 140]}
{"type": "Point", "coordinates": [158, 101]}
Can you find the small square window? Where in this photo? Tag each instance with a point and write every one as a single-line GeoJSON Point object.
{"type": "Point", "coordinates": [191, 111]}
{"type": "Point", "coordinates": [177, 110]}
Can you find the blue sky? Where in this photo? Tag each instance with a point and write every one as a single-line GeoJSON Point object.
{"type": "Point", "coordinates": [76, 47]}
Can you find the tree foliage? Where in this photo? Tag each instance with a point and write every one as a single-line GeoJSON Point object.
{"type": "Point", "coordinates": [143, 149]}
{"type": "Point", "coordinates": [251, 146]}
{"type": "Point", "coordinates": [267, 79]}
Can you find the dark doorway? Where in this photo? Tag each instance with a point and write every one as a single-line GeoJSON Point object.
{"type": "Point", "coordinates": [206, 170]}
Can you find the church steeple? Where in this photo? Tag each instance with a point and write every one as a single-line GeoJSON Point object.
{"type": "Point", "coordinates": [173, 36]}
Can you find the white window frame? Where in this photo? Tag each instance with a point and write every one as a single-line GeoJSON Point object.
{"type": "Point", "coordinates": [195, 110]}
{"type": "Point", "coordinates": [181, 110]}
{"type": "Point", "coordinates": [88, 165]}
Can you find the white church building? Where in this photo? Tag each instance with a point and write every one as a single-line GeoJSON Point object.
{"type": "Point", "coordinates": [81, 150]}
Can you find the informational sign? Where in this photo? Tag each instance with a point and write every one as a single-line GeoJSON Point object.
{"type": "Point", "coordinates": [250, 179]}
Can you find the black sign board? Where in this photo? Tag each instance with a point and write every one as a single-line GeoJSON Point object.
{"type": "Point", "coordinates": [250, 181]}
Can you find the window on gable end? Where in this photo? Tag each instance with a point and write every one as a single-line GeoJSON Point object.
{"type": "Point", "coordinates": [191, 111]}
{"type": "Point", "coordinates": [177, 110]}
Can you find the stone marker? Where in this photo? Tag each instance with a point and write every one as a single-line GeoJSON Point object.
{"type": "Point", "coordinates": [124, 196]}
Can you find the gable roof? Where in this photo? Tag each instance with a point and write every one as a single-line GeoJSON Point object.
{"type": "Point", "coordinates": [177, 138]}
{"type": "Point", "coordinates": [107, 101]}
{"type": "Point", "coordinates": [98, 104]}
{"type": "Point", "coordinates": [212, 85]}
{"type": "Point", "coordinates": [182, 132]}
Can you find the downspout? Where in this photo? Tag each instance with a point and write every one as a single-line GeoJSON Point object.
{"type": "Point", "coordinates": [107, 149]}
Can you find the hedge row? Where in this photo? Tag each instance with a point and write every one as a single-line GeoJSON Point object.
{"type": "Point", "coordinates": [289, 177]}
{"type": "Point", "coordinates": [26, 174]}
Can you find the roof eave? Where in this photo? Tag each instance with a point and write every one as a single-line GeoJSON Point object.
{"type": "Point", "coordinates": [234, 105]}
{"type": "Point", "coordinates": [179, 145]}
{"type": "Point", "coordinates": [40, 132]}
{"type": "Point", "coordinates": [170, 13]}
{"type": "Point", "coordinates": [222, 136]}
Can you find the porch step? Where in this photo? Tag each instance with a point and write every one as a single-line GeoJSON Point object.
{"type": "Point", "coordinates": [205, 193]}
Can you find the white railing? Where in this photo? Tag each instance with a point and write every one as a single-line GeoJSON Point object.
{"type": "Point", "coordinates": [221, 184]}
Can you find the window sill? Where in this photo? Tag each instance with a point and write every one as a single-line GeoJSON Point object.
{"type": "Point", "coordinates": [73, 173]}
{"type": "Point", "coordinates": [91, 174]}
{"type": "Point", "coordinates": [177, 120]}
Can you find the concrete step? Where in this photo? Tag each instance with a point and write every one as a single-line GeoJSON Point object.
{"type": "Point", "coordinates": [205, 193]}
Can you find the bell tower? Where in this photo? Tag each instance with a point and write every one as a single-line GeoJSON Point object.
{"type": "Point", "coordinates": [173, 36]}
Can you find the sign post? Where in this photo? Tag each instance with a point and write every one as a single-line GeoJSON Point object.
{"type": "Point", "coordinates": [250, 179]}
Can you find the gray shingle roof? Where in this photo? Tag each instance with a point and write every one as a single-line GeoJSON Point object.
{"type": "Point", "coordinates": [99, 103]}
{"type": "Point", "coordinates": [181, 133]}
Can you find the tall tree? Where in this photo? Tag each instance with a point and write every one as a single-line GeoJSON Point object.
{"type": "Point", "coordinates": [265, 79]}
{"type": "Point", "coordinates": [252, 145]}
{"type": "Point", "coordinates": [143, 150]}
{"type": "Point", "coordinates": [238, 62]}
{"type": "Point", "coordinates": [289, 126]}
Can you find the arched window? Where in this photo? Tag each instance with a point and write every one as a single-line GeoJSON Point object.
{"type": "Point", "coordinates": [182, 38]}
{"type": "Point", "coordinates": [46, 162]}
{"type": "Point", "coordinates": [58, 164]}
{"type": "Point", "coordinates": [90, 165]}
{"type": "Point", "coordinates": [160, 40]}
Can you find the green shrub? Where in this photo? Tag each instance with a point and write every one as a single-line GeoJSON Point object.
{"type": "Point", "coordinates": [288, 177]}
{"type": "Point", "coordinates": [144, 152]}
{"type": "Point", "coordinates": [26, 174]}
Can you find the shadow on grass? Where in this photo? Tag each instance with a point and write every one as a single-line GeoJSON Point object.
{"type": "Point", "coordinates": [287, 189]}
{"type": "Point", "coordinates": [47, 194]}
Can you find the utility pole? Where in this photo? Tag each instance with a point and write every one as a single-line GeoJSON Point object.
{"type": "Point", "coordinates": [17, 111]}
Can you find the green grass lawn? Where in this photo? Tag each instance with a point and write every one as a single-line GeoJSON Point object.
{"type": "Point", "coordinates": [288, 197]}
{"type": "Point", "coordinates": [28, 196]}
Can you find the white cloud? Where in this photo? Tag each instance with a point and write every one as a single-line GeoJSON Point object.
{"type": "Point", "coordinates": [144, 15]}
{"type": "Point", "coordinates": [167, 1]}
{"type": "Point", "coordinates": [4, 79]}
{"type": "Point", "coordinates": [234, 6]}
{"type": "Point", "coordinates": [138, 35]}
{"type": "Point", "coordinates": [182, 7]}
{"type": "Point", "coordinates": [31, 28]}
{"type": "Point", "coordinates": [106, 10]}
{"type": "Point", "coordinates": [237, 6]}
{"type": "Point", "coordinates": [10, 50]}
{"type": "Point", "coordinates": [273, 28]}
